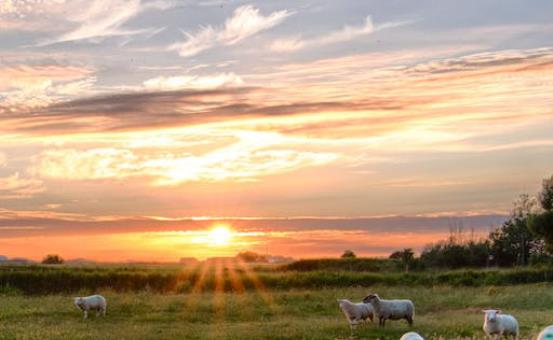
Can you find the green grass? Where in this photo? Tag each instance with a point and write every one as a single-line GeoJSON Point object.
{"type": "Point", "coordinates": [441, 311]}
{"type": "Point", "coordinates": [178, 279]}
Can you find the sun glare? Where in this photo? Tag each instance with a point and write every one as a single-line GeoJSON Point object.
{"type": "Point", "coordinates": [220, 235]}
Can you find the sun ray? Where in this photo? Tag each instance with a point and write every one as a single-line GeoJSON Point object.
{"type": "Point", "coordinates": [243, 302]}
{"type": "Point", "coordinates": [218, 298]}
{"type": "Point", "coordinates": [192, 298]}
{"type": "Point", "coordinates": [235, 280]}
{"type": "Point", "coordinates": [259, 286]}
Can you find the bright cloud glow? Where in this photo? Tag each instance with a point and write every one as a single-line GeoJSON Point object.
{"type": "Point", "coordinates": [246, 160]}
{"type": "Point", "coordinates": [193, 82]}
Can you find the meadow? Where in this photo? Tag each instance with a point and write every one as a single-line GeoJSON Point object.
{"type": "Point", "coordinates": [245, 302]}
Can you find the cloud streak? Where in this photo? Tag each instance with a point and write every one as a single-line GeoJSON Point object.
{"type": "Point", "coordinates": [193, 82]}
{"type": "Point", "coordinates": [245, 22]}
{"type": "Point", "coordinates": [16, 187]}
{"type": "Point", "coordinates": [347, 33]}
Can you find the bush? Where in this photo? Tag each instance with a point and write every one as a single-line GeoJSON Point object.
{"type": "Point", "coordinates": [52, 259]}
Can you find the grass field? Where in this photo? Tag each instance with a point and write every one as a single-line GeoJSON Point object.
{"type": "Point", "coordinates": [441, 312]}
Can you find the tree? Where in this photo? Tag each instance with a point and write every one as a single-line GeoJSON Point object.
{"type": "Point", "coordinates": [406, 256]}
{"type": "Point", "coordinates": [453, 254]}
{"type": "Point", "coordinates": [514, 242]}
{"type": "Point", "coordinates": [541, 223]}
{"type": "Point", "coordinates": [52, 259]}
{"type": "Point", "coordinates": [250, 256]}
{"type": "Point", "coordinates": [348, 254]}
{"type": "Point", "coordinates": [546, 194]}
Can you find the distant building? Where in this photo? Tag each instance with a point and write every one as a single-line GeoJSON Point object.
{"type": "Point", "coordinates": [188, 260]}
{"type": "Point", "coordinates": [279, 259]}
{"type": "Point", "coordinates": [221, 259]}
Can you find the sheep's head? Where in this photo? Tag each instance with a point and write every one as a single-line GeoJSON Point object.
{"type": "Point", "coordinates": [78, 301]}
{"type": "Point", "coordinates": [491, 315]}
{"type": "Point", "coordinates": [370, 298]}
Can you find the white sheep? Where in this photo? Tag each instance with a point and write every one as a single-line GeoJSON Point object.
{"type": "Point", "coordinates": [391, 309]}
{"type": "Point", "coordinates": [546, 333]}
{"type": "Point", "coordinates": [411, 336]}
{"type": "Point", "coordinates": [91, 303]}
{"type": "Point", "coordinates": [499, 324]}
{"type": "Point", "coordinates": [356, 312]}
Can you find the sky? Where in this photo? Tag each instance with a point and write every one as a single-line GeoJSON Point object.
{"type": "Point", "coordinates": [129, 129]}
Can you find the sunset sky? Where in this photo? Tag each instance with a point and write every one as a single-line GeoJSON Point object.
{"type": "Point", "coordinates": [129, 129]}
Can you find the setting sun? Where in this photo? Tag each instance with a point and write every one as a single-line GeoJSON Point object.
{"type": "Point", "coordinates": [220, 235]}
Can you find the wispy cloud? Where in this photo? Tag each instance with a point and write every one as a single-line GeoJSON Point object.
{"type": "Point", "coordinates": [193, 82]}
{"type": "Point", "coordinates": [99, 19]}
{"type": "Point", "coordinates": [245, 22]}
{"type": "Point", "coordinates": [244, 160]}
{"type": "Point", "coordinates": [30, 86]}
{"type": "Point", "coordinates": [347, 33]}
{"type": "Point", "coordinates": [16, 187]}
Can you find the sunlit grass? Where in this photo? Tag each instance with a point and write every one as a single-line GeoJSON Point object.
{"type": "Point", "coordinates": [302, 314]}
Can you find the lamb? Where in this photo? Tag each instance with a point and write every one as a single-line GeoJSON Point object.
{"type": "Point", "coordinates": [391, 309]}
{"type": "Point", "coordinates": [89, 303]}
{"type": "Point", "coordinates": [355, 312]}
{"type": "Point", "coordinates": [411, 336]}
{"type": "Point", "coordinates": [546, 333]}
{"type": "Point", "coordinates": [496, 323]}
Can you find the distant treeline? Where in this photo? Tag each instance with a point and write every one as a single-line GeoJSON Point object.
{"type": "Point", "coordinates": [526, 238]}
{"type": "Point", "coordinates": [88, 280]}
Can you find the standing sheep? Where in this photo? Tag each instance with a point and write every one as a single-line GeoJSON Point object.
{"type": "Point", "coordinates": [546, 333]}
{"type": "Point", "coordinates": [391, 309]}
{"type": "Point", "coordinates": [355, 312]}
{"type": "Point", "coordinates": [89, 303]}
{"type": "Point", "coordinates": [411, 336]}
{"type": "Point", "coordinates": [499, 324]}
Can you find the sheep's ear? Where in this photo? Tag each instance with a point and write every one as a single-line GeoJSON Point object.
{"type": "Point", "coordinates": [498, 311]}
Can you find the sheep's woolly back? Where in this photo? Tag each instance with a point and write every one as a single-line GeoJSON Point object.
{"type": "Point", "coordinates": [355, 311]}
{"type": "Point", "coordinates": [393, 309]}
{"type": "Point", "coordinates": [91, 302]}
{"type": "Point", "coordinates": [411, 336]}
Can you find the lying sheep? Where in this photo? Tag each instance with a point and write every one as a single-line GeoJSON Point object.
{"type": "Point", "coordinates": [90, 303]}
{"type": "Point", "coordinates": [355, 312]}
{"type": "Point", "coordinates": [496, 323]}
{"type": "Point", "coordinates": [411, 336]}
{"type": "Point", "coordinates": [546, 333]}
{"type": "Point", "coordinates": [391, 309]}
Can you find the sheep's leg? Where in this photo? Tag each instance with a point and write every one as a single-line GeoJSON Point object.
{"type": "Point", "coordinates": [85, 314]}
{"type": "Point", "coordinates": [410, 320]}
{"type": "Point", "coordinates": [103, 311]}
{"type": "Point", "coordinates": [383, 322]}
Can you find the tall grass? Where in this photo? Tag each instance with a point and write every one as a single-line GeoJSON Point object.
{"type": "Point", "coordinates": [165, 279]}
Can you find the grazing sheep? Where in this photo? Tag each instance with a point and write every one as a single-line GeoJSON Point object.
{"type": "Point", "coordinates": [499, 324]}
{"type": "Point", "coordinates": [391, 309]}
{"type": "Point", "coordinates": [411, 336]}
{"type": "Point", "coordinates": [546, 333]}
{"type": "Point", "coordinates": [90, 303]}
{"type": "Point", "coordinates": [355, 312]}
